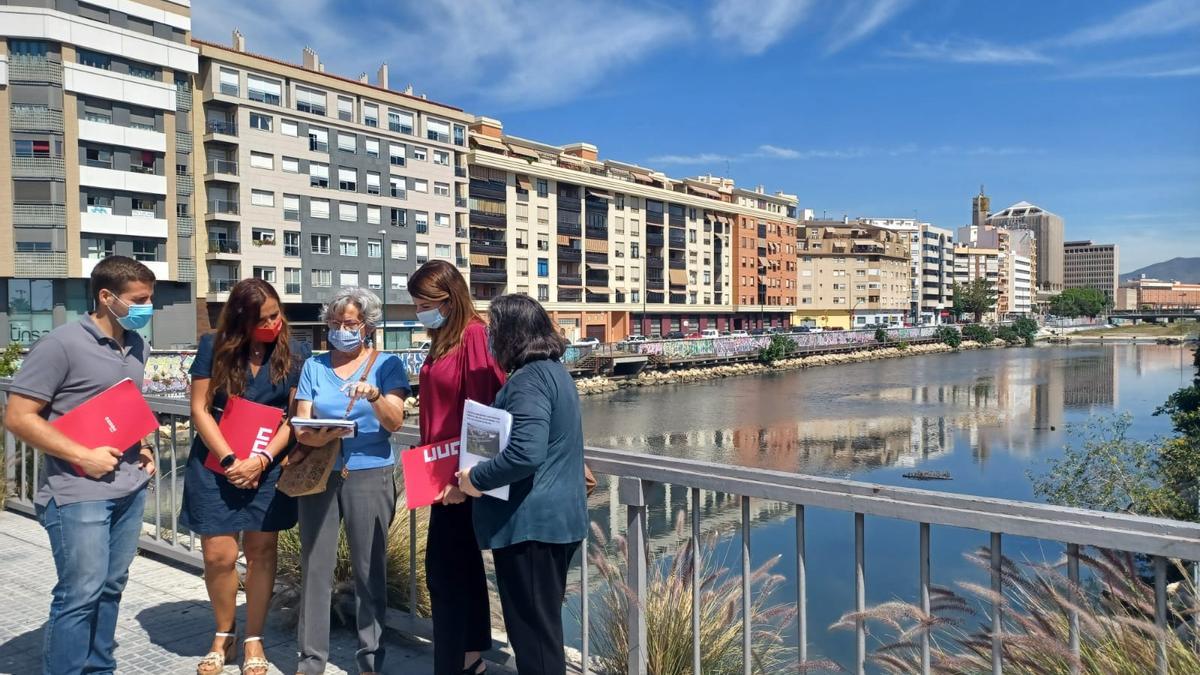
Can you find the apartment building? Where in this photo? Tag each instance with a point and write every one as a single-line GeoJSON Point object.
{"type": "Point", "coordinates": [614, 249]}
{"type": "Point", "coordinates": [852, 274]}
{"type": "Point", "coordinates": [1090, 265]}
{"type": "Point", "coordinates": [931, 250]}
{"type": "Point", "coordinates": [313, 182]}
{"type": "Point", "coordinates": [1007, 259]}
{"type": "Point", "coordinates": [973, 262]}
{"type": "Point", "coordinates": [1047, 229]}
{"type": "Point", "coordinates": [93, 99]}
{"type": "Point", "coordinates": [1156, 294]}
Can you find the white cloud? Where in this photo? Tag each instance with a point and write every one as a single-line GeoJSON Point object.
{"type": "Point", "coordinates": [752, 26]}
{"type": "Point", "coordinates": [501, 51]}
{"type": "Point", "coordinates": [1153, 67]}
{"type": "Point", "coordinates": [861, 18]}
{"type": "Point", "coordinates": [969, 50]}
{"type": "Point", "coordinates": [775, 152]}
{"type": "Point", "coordinates": [1161, 17]}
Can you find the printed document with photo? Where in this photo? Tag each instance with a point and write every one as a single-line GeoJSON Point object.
{"type": "Point", "coordinates": [485, 432]}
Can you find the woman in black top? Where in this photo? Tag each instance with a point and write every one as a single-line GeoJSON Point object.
{"type": "Point", "coordinates": [250, 356]}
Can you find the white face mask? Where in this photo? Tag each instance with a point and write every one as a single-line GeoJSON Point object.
{"type": "Point", "coordinates": [431, 318]}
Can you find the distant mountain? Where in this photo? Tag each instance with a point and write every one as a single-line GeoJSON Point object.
{"type": "Point", "coordinates": [1177, 269]}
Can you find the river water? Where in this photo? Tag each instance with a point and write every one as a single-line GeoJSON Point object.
{"type": "Point", "coordinates": [988, 417]}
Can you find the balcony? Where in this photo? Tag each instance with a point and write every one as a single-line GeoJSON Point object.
{"type": "Point", "coordinates": [597, 232]}
{"type": "Point", "coordinates": [460, 202]}
{"type": "Point", "coordinates": [39, 214]}
{"type": "Point", "coordinates": [654, 239]}
{"type": "Point", "coordinates": [38, 167]}
{"type": "Point", "coordinates": [221, 285]}
{"type": "Point", "coordinates": [489, 246]}
{"type": "Point", "coordinates": [678, 264]}
{"type": "Point", "coordinates": [22, 69]}
{"type": "Point", "coordinates": [654, 262]}
{"type": "Point", "coordinates": [230, 246]}
{"type": "Point", "coordinates": [183, 141]}
{"type": "Point", "coordinates": [568, 230]}
{"type": "Point", "coordinates": [220, 207]}
{"type": "Point", "coordinates": [596, 257]}
{"type": "Point", "coordinates": [489, 275]}
{"type": "Point", "coordinates": [494, 220]}
{"type": "Point", "coordinates": [461, 262]}
{"type": "Point", "coordinates": [183, 98]}
{"type": "Point", "coordinates": [568, 254]}
{"type": "Point", "coordinates": [567, 280]}
{"type": "Point", "coordinates": [220, 130]}
{"type": "Point", "coordinates": [185, 226]}
{"type": "Point", "coordinates": [36, 118]}
{"type": "Point", "coordinates": [221, 169]}
{"type": "Point", "coordinates": [460, 172]}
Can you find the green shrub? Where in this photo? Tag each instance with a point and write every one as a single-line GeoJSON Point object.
{"type": "Point", "coordinates": [10, 359]}
{"type": "Point", "coordinates": [881, 336]}
{"type": "Point", "coordinates": [979, 333]}
{"type": "Point", "coordinates": [949, 336]}
{"type": "Point", "coordinates": [902, 346]}
{"type": "Point", "coordinates": [1009, 334]}
{"type": "Point", "coordinates": [779, 347]}
{"type": "Point", "coordinates": [1027, 329]}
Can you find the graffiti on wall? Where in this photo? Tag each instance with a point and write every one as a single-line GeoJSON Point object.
{"type": "Point", "coordinates": [736, 346]}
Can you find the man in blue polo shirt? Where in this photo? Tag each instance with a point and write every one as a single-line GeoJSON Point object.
{"type": "Point", "coordinates": [93, 520]}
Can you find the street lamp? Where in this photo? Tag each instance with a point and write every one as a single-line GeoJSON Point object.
{"type": "Point", "coordinates": [852, 308]}
{"type": "Point", "coordinates": [383, 254]}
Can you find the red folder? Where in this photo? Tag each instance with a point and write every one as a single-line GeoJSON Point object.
{"type": "Point", "coordinates": [246, 426]}
{"type": "Point", "coordinates": [428, 470]}
{"type": "Point", "coordinates": [118, 417]}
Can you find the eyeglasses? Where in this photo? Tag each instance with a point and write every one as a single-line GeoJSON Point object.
{"type": "Point", "coordinates": [345, 325]}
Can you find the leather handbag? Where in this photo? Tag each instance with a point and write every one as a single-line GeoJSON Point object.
{"type": "Point", "coordinates": [310, 475]}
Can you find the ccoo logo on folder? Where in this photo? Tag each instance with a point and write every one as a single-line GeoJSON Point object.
{"type": "Point", "coordinates": [118, 417]}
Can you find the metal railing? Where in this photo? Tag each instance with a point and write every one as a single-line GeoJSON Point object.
{"type": "Point", "coordinates": [635, 474]}
{"type": "Point", "coordinates": [222, 166]}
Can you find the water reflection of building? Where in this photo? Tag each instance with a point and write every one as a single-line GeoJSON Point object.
{"type": "Point", "coordinates": [1092, 381]}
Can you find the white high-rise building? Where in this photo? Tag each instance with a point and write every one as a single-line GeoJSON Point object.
{"type": "Point", "coordinates": [932, 251]}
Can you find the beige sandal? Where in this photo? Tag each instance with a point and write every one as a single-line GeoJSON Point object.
{"type": "Point", "coordinates": [213, 663]}
{"type": "Point", "coordinates": [254, 665]}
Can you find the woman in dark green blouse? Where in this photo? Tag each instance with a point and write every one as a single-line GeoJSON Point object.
{"type": "Point", "coordinates": [535, 533]}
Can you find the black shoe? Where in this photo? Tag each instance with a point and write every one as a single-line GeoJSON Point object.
{"type": "Point", "coordinates": [471, 669]}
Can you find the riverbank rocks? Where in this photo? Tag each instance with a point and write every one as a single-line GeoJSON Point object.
{"type": "Point", "coordinates": [650, 378]}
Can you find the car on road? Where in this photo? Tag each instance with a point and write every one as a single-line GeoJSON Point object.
{"type": "Point", "coordinates": [635, 338]}
{"type": "Point", "coordinates": [709, 333]}
{"type": "Point", "coordinates": [423, 345]}
{"type": "Point", "coordinates": [675, 335]}
{"type": "Point", "coordinates": [760, 331]}
{"type": "Point", "coordinates": [739, 333]}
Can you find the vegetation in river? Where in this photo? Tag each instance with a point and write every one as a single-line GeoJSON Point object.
{"type": "Point", "coordinates": [1117, 633]}
{"type": "Point", "coordinates": [668, 611]}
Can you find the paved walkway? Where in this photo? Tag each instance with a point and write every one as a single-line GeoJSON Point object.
{"type": "Point", "coordinates": [164, 625]}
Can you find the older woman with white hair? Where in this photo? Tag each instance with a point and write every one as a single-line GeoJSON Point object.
{"type": "Point", "coordinates": [351, 380]}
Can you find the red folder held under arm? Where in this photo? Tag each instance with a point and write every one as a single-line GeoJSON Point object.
{"type": "Point", "coordinates": [118, 417]}
{"type": "Point", "coordinates": [246, 426]}
{"type": "Point", "coordinates": [428, 470]}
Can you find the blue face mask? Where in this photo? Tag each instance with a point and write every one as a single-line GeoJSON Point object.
{"type": "Point", "coordinates": [345, 340]}
{"type": "Point", "coordinates": [431, 318]}
{"type": "Point", "coordinates": [136, 316]}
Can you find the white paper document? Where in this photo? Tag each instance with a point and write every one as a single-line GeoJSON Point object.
{"type": "Point", "coordinates": [485, 432]}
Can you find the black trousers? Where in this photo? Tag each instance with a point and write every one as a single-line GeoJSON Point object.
{"type": "Point", "coordinates": [532, 579]}
{"type": "Point", "coordinates": [462, 619]}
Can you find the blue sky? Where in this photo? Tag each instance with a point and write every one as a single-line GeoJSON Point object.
{"type": "Point", "coordinates": [880, 108]}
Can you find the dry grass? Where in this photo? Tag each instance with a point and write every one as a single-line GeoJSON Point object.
{"type": "Point", "coordinates": [1116, 623]}
{"type": "Point", "coordinates": [668, 609]}
{"type": "Point", "coordinates": [1176, 329]}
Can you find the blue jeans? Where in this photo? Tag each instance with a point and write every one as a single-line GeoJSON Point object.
{"type": "Point", "coordinates": [93, 544]}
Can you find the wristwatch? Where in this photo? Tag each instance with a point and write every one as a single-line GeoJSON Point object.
{"type": "Point", "coordinates": [228, 460]}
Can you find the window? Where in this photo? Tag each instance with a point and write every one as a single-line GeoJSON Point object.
{"type": "Point", "coordinates": [441, 219]}
{"type": "Point", "coordinates": [348, 246]}
{"type": "Point", "coordinates": [460, 135]}
{"type": "Point", "coordinates": [291, 280]}
{"type": "Point", "coordinates": [620, 201]}
{"type": "Point", "coordinates": [318, 208]}
{"type": "Point", "coordinates": [441, 251]}
{"type": "Point", "coordinates": [267, 274]}
{"type": "Point", "coordinates": [310, 101]}
{"type": "Point", "coordinates": [260, 122]}
{"type": "Point", "coordinates": [399, 218]}
{"type": "Point", "coordinates": [345, 109]}
{"type": "Point", "coordinates": [318, 139]}
{"type": "Point", "coordinates": [633, 250]}
{"type": "Point", "coordinates": [399, 282]}
{"type": "Point", "coordinates": [263, 90]}
{"type": "Point", "coordinates": [374, 248]}
{"type": "Point", "coordinates": [347, 212]}
{"type": "Point", "coordinates": [420, 185]}
{"type": "Point", "coordinates": [372, 146]}
{"type": "Point", "coordinates": [289, 127]}
{"type": "Point", "coordinates": [543, 242]}
{"type": "Point", "coordinates": [290, 164]}
{"type": "Point", "coordinates": [230, 85]}
{"type": "Point", "coordinates": [98, 158]}
{"type": "Point", "coordinates": [419, 154]}
{"type": "Point", "coordinates": [318, 174]}
{"type": "Point", "coordinates": [522, 238]}
{"type": "Point", "coordinates": [437, 130]}
{"type": "Point", "coordinates": [347, 142]}
{"type": "Point", "coordinates": [396, 154]}
{"type": "Point", "coordinates": [95, 59]}
{"type": "Point", "coordinates": [347, 179]}
{"type": "Point", "coordinates": [543, 188]}
{"type": "Point", "coordinates": [291, 209]}
{"type": "Point", "coordinates": [142, 71]}
{"type": "Point", "coordinates": [400, 121]}
{"type": "Point", "coordinates": [397, 186]}
{"type": "Point", "coordinates": [543, 267]}
{"type": "Point", "coordinates": [99, 248]}
{"type": "Point", "coordinates": [441, 189]}
{"type": "Point", "coordinates": [144, 207]}
{"type": "Point", "coordinates": [319, 244]}
{"type": "Point", "coordinates": [291, 244]}
{"type": "Point", "coordinates": [522, 267]}
{"type": "Point", "coordinates": [322, 278]}
{"type": "Point", "coordinates": [262, 198]}
{"type": "Point", "coordinates": [370, 114]}
{"type": "Point", "coordinates": [441, 157]}
{"type": "Point", "coordinates": [399, 250]}
{"type": "Point", "coordinates": [421, 218]}
{"type": "Point", "coordinates": [145, 250]}
{"type": "Point", "coordinates": [99, 204]}
{"type": "Point", "coordinates": [619, 225]}
{"type": "Point", "coordinates": [422, 253]}
{"type": "Point", "coordinates": [27, 49]}
{"type": "Point", "coordinates": [372, 182]}
{"type": "Point", "coordinates": [374, 281]}
{"type": "Point", "coordinates": [635, 227]}
{"type": "Point", "coordinates": [543, 213]}
{"type": "Point", "coordinates": [374, 215]}
{"type": "Point", "coordinates": [543, 293]}
{"type": "Point", "coordinates": [262, 160]}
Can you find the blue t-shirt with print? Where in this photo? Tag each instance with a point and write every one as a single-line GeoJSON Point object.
{"type": "Point", "coordinates": [371, 448]}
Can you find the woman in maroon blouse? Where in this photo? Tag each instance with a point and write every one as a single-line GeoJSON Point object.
{"type": "Point", "coordinates": [459, 366]}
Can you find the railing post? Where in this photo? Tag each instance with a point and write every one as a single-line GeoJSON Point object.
{"type": "Point", "coordinates": [696, 581]}
{"type": "Point", "coordinates": [997, 619]}
{"type": "Point", "coordinates": [925, 602]}
{"type": "Point", "coordinates": [801, 589]}
{"type": "Point", "coordinates": [632, 493]}
{"type": "Point", "coordinates": [10, 446]}
{"type": "Point", "coordinates": [1160, 611]}
{"type": "Point", "coordinates": [860, 594]}
{"type": "Point", "coordinates": [747, 626]}
{"type": "Point", "coordinates": [1073, 616]}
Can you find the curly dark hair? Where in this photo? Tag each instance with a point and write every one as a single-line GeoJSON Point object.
{"type": "Point", "coordinates": [522, 332]}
